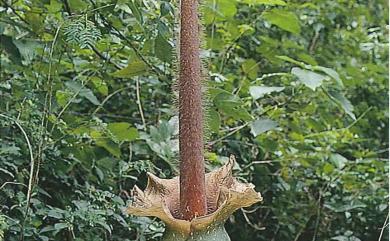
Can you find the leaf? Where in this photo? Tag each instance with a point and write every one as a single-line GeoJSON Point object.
{"type": "Point", "coordinates": [82, 91]}
{"type": "Point", "coordinates": [283, 19]}
{"type": "Point", "coordinates": [307, 59]}
{"type": "Point", "coordinates": [259, 91]}
{"type": "Point", "coordinates": [110, 146]}
{"type": "Point", "coordinates": [214, 121]}
{"type": "Point", "coordinates": [9, 46]}
{"type": "Point", "coordinates": [47, 229]}
{"type": "Point", "coordinates": [308, 78]}
{"type": "Point", "coordinates": [133, 69]}
{"type": "Point", "coordinates": [82, 32]}
{"type": "Point", "coordinates": [135, 9]}
{"type": "Point", "coordinates": [165, 8]}
{"type": "Point", "coordinates": [105, 226]}
{"type": "Point", "coordinates": [27, 50]}
{"type": "Point", "coordinates": [262, 125]}
{"type": "Point", "coordinates": [123, 131]}
{"type": "Point", "coordinates": [231, 105]}
{"type": "Point", "coordinates": [35, 20]}
{"type": "Point", "coordinates": [340, 238]}
{"type": "Point", "coordinates": [265, 2]}
{"type": "Point", "coordinates": [105, 142]}
{"type": "Point", "coordinates": [338, 160]}
{"type": "Point", "coordinates": [99, 85]}
{"type": "Point", "coordinates": [55, 214]}
{"type": "Point", "coordinates": [332, 73]}
{"type": "Point", "coordinates": [346, 207]}
{"type": "Point", "coordinates": [163, 49]}
{"type": "Point", "coordinates": [44, 238]}
{"type": "Point", "coordinates": [226, 100]}
{"type": "Point", "coordinates": [99, 173]}
{"type": "Point", "coordinates": [62, 97]}
{"type": "Point", "coordinates": [291, 60]}
{"type": "Point", "coordinates": [123, 5]}
{"type": "Point", "coordinates": [328, 168]}
{"type": "Point", "coordinates": [54, 6]}
{"type": "Point", "coordinates": [59, 226]}
{"type": "Point", "coordinates": [340, 99]}
{"type": "Point", "coordinates": [219, 10]}
{"type": "Point", "coordinates": [250, 67]}
{"type": "Point", "coordinates": [77, 5]}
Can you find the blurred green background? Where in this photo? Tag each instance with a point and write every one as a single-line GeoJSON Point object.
{"type": "Point", "coordinates": [297, 90]}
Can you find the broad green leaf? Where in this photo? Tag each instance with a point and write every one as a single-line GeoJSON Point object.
{"type": "Point", "coordinates": [332, 73]}
{"type": "Point", "coordinates": [81, 130]}
{"type": "Point", "coordinates": [110, 146]}
{"type": "Point", "coordinates": [99, 85]}
{"type": "Point", "coordinates": [307, 59]}
{"type": "Point", "coordinates": [54, 213]}
{"type": "Point", "coordinates": [227, 100]}
{"type": "Point", "coordinates": [83, 91]}
{"type": "Point", "coordinates": [77, 5]}
{"type": "Point", "coordinates": [283, 19]}
{"type": "Point", "coordinates": [265, 2]}
{"type": "Point", "coordinates": [9, 46]}
{"type": "Point", "coordinates": [259, 91]}
{"type": "Point", "coordinates": [163, 49]}
{"type": "Point", "coordinates": [27, 49]}
{"type": "Point", "coordinates": [123, 131]}
{"type": "Point", "coordinates": [250, 67]}
{"type": "Point", "coordinates": [133, 69]}
{"type": "Point", "coordinates": [63, 97]}
{"type": "Point", "coordinates": [308, 78]}
{"type": "Point", "coordinates": [54, 6]}
{"type": "Point", "coordinates": [105, 142]}
{"type": "Point", "coordinates": [59, 226]}
{"type": "Point", "coordinates": [338, 160]}
{"type": "Point", "coordinates": [262, 125]}
{"type": "Point", "coordinates": [219, 10]}
{"type": "Point", "coordinates": [231, 106]}
{"type": "Point", "coordinates": [215, 43]}
{"type": "Point", "coordinates": [214, 120]}
{"type": "Point", "coordinates": [340, 99]}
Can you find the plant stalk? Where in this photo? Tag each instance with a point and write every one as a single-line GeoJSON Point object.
{"type": "Point", "coordinates": [192, 171]}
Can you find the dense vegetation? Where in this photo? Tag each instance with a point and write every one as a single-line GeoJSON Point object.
{"type": "Point", "coordinates": [297, 90]}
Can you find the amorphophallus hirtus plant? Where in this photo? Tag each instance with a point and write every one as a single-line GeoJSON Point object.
{"type": "Point", "coordinates": [194, 205]}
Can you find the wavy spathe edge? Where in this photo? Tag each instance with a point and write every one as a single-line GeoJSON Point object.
{"type": "Point", "coordinates": [225, 194]}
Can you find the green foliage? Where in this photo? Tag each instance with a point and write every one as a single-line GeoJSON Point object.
{"type": "Point", "coordinates": [283, 19]}
{"type": "Point", "coordinates": [133, 69]}
{"type": "Point", "coordinates": [297, 91]}
{"type": "Point", "coordinates": [82, 32]}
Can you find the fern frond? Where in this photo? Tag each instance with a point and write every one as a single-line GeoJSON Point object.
{"type": "Point", "coordinates": [82, 32]}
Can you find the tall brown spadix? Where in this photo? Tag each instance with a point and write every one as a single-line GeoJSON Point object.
{"type": "Point", "coordinates": [192, 173]}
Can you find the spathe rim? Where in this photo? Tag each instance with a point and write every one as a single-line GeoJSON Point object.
{"type": "Point", "coordinates": [225, 194]}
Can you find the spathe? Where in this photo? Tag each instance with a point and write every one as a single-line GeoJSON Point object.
{"type": "Point", "coordinates": [224, 196]}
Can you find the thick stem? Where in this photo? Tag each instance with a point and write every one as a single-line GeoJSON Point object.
{"type": "Point", "coordinates": [192, 173]}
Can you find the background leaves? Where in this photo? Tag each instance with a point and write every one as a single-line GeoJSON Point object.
{"type": "Point", "coordinates": [296, 90]}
